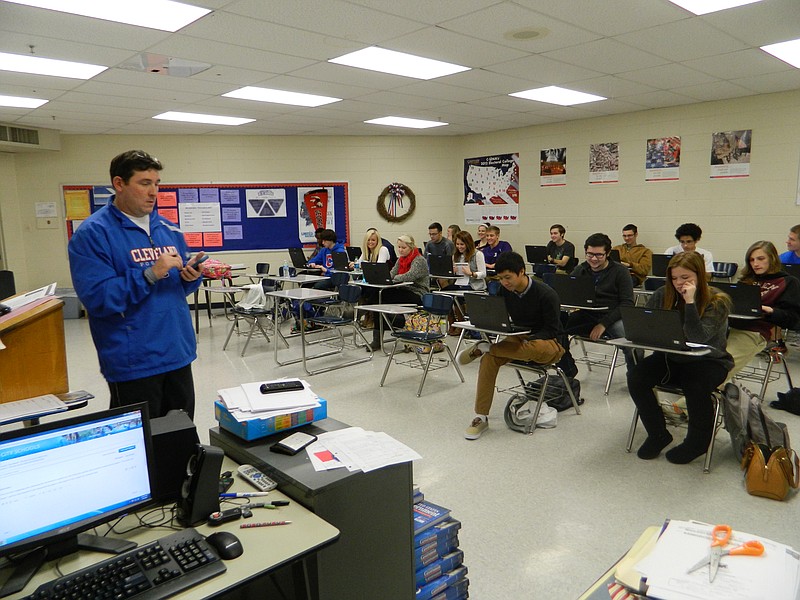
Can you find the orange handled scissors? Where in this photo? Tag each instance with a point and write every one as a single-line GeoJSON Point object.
{"type": "Point", "coordinates": [720, 536]}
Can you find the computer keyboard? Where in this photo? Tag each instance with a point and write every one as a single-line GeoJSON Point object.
{"type": "Point", "coordinates": [156, 570]}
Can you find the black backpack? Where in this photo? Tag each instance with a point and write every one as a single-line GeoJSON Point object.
{"type": "Point", "coordinates": [745, 420]}
{"type": "Point", "coordinates": [556, 395]}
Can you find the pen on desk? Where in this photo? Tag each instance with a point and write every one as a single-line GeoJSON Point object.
{"type": "Point", "coordinates": [263, 524]}
{"type": "Point", "coordinates": [243, 495]}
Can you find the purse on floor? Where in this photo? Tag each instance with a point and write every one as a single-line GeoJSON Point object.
{"type": "Point", "coordinates": [770, 471]}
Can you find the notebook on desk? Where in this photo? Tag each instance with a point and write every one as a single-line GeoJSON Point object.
{"type": "Point", "coordinates": [376, 273]}
{"type": "Point", "coordinates": [746, 298]}
{"type": "Point", "coordinates": [341, 261]}
{"type": "Point", "coordinates": [575, 290]}
{"type": "Point", "coordinates": [490, 313]}
{"type": "Point", "coordinates": [656, 327]}
{"type": "Point", "coordinates": [536, 254]}
{"type": "Point", "coordinates": [298, 258]}
{"type": "Point", "coordinates": [660, 262]}
{"type": "Point", "coordinates": [441, 266]}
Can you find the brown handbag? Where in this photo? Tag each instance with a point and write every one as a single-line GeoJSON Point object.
{"type": "Point", "coordinates": [770, 472]}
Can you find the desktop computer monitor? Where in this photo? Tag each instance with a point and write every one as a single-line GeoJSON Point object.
{"type": "Point", "coordinates": [66, 477]}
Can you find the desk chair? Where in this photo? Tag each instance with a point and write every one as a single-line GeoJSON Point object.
{"type": "Point", "coordinates": [677, 418]}
{"type": "Point", "coordinates": [517, 412]}
{"type": "Point", "coordinates": [725, 270]}
{"type": "Point", "coordinates": [326, 304]}
{"type": "Point", "coordinates": [438, 306]}
{"type": "Point", "coordinates": [773, 354]}
{"type": "Point", "coordinates": [598, 359]}
{"type": "Point", "coordinates": [539, 269]}
{"type": "Point", "coordinates": [253, 316]}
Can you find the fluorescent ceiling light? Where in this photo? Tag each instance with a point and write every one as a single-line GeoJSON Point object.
{"type": "Point", "coordinates": [787, 51]}
{"type": "Point", "coordinates": [154, 14]}
{"type": "Point", "coordinates": [404, 122]}
{"type": "Point", "coordinates": [198, 118]}
{"type": "Point", "coordinates": [27, 63]}
{"type": "Point", "coordinates": [398, 63]}
{"type": "Point", "coordinates": [703, 7]}
{"type": "Point", "coordinates": [280, 96]}
{"type": "Point", "coordinates": [556, 95]}
{"type": "Point", "coordinates": [21, 102]}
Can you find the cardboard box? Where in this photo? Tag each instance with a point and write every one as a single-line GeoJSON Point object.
{"type": "Point", "coordinates": [258, 428]}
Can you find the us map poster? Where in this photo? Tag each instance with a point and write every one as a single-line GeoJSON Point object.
{"type": "Point", "coordinates": [491, 189]}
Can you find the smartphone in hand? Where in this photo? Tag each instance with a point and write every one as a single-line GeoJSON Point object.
{"type": "Point", "coordinates": [199, 261]}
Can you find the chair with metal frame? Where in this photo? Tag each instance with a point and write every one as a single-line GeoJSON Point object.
{"type": "Point", "coordinates": [678, 417]}
{"type": "Point", "coordinates": [438, 306]}
{"type": "Point", "coordinates": [725, 270]}
{"type": "Point", "coordinates": [253, 316]}
{"type": "Point", "coordinates": [774, 353]}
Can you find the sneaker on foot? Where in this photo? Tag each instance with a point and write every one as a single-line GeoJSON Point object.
{"type": "Point", "coordinates": [467, 355]}
{"type": "Point", "coordinates": [476, 428]}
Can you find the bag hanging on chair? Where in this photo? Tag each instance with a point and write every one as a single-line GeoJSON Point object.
{"type": "Point", "coordinates": [425, 322]}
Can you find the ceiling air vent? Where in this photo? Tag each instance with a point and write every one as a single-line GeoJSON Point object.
{"type": "Point", "coordinates": [19, 135]}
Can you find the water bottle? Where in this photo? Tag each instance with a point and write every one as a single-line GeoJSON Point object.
{"type": "Point", "coordinates": [285, 269]}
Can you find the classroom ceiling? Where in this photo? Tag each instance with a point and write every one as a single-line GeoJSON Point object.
{"type": "Point", "coordinates": [640, 54]}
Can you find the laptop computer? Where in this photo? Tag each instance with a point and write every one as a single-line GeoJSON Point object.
{"type": "Point", "coordinates": [792, 270]}
{"type": "Point", "coordinates": [574, 290]}
{"type": "Point", "coordinates": [441, 266]}
{"type": "Point", "coordinates": [353, 252]}
{"type": "Point", "coordinates": [298, 258]}
{"type": "Point", "coordinates": [489, 312]}
{"type": "Point", "coordinates": [614, 255]}
{"type": "Point", "coordinates": [660, 262]}
{"type": "Point", "coordinates": [746, 298]}
{"type": "Point", "coordinates": [376, 273]}
{"type": "Point", "coordinates": [536, 254]}
{"type": "Point", "coordinates": [656, 327]}
{"type": "Point", "coordinates": [341, 261]}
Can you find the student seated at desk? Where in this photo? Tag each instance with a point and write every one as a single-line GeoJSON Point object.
{"type": "Point", "coordinates": [613, 288]}
{"type": "Point", "coordinates": [481, 240]}
{"type": "Point", "coordinates": [637, 257]}
{"type": "Point", "coordinates": [323, 260]}
{"type": "Point", "coordinates": [531, 305]}
{"type": "Point", "coordinates": [470, 264]}
{"type": "Point", "coordinates": [688, 235]}
{"type": "Point", "coordinates": [494, 246]}
{"type": "Point", "coordinates": [704, 312]}
{"type": "Point", "coordinates": [780, 303]}
{"type": "Point", "coordinates": [559, 250]}
{"type": "Point", "coordinates": [411, 266]}
{"type": "Point", "coordinates": [372, 250]}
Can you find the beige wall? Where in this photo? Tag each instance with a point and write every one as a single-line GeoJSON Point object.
{"type": "Point", "coordinates": [732, 213]}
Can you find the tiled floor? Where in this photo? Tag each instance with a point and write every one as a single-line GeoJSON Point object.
{"type": "Point", "coordinates": [543, 515]}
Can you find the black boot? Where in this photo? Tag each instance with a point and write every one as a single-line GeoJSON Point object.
{"type": "Point", "coordinates": [694, 446]}
{"type": "Point", "coordinates": [658, 437]}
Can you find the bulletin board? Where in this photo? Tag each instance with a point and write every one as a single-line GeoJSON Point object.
{"type": "Point", "coordinates": [234, 216]}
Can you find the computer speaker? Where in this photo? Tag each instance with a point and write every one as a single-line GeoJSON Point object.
{"type": "Point", "coordinates": [200, 491]}
{"type": "Point", "coordinates": [174, 441]}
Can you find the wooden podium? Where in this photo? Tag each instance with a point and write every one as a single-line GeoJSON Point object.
{"type": "Point", "coordinates": [34, 360]}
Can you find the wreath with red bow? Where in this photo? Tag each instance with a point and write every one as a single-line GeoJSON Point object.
{"type": "Point", "coordinates": [392, 203]}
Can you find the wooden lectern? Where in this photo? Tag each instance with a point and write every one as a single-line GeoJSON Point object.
{"type": "Point", "coordinates": [34, 361]}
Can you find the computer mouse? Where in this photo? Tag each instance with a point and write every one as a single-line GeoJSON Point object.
{"type": "Point", "coordinates": [226, 544]}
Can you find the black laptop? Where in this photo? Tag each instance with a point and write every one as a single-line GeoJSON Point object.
{"type": "Point", "coordinates": [376, 273]}
{"type": "Point", "coordinates": [298, 258]}
{"type": "Point", "coordinates": [536, 254]}
{"type": "Point", "coordinates": [341, 261]}
{"type": "Point", "coordinates": [441, 266]}
{"type": "Point", "coordinates": [656, 327]}
{"type": "Point", "coordinates": [614, 255]}
{"type": "Point", "coordinates": [660, 262]}
{"type": "Point", "coordinates": [489, 312]}
{"type": "Point", "coordinates": [354, 252]}
{"type": "Point", "coordinates": [792, 270]}
{"type": "Point", "coordinates": [746, 298]}
{"type": "Point", "coordinates": [575, 290]}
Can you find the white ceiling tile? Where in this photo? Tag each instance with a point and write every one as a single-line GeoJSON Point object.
{"type": "Point", "coordinates": [659, 99]}
{"type": "Point", "coordinates": [744, 63]}
{"type": "Point", "coordinates": [718, 90]}
{"type": "Point", "coordinates": [539, 71]}
{"type": "Point", "coordinates": [768, 83]}
{"type": "Point", "coordinates": [45, 47]}
{"type": "Point", "coordinates": [611, 86]}
{"type": "Point", "coordinates": [761, 23]}
{"type": "Point", "coordinates": [606, 56]}
{"type": "Point", "coordinates": [432, 89]}
{"type": "Point", "coordinates": [667, 77]}
{"type": "Point", "coordinates": [426, 11]}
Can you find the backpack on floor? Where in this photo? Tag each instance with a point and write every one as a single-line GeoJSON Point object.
{"type": "Point", "coordinates": [424, 321]}
{"type": "Point", "coordinates": [744, 423]}
{"type": "Point", "coordinates": [519, 410]}
{"type": "Point", "coordinates": [556, 395]}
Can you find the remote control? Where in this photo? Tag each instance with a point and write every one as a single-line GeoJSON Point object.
{"type": "Point", "coordinates": [281, 386]}
{"type": "Point", "coordinates": [256, 478]}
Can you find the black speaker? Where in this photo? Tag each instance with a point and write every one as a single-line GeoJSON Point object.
{"type": "Point", "coordinates": [174, 442]}
{"type": "Point", "coordinates": [200, 491]}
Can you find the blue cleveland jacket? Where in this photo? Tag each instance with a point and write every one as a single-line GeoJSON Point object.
{"type": "Point", "coordinates": [139, 329]}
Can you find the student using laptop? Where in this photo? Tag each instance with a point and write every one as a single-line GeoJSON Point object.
{"type": "Point", "coordinates": [612, 288]}
{"type": "Point", "coordinates": [530, 304]}
{"type": "Point", "coordinates": [438, 245]}
{"type": "Point", "coordinates": [322, 261]}
{"type": "Point", "coordinates": [792, 254]}
{"type": "Point", "coordinates": [470, 265]}
{"type": "Point", "coordinates": [410, 266]}
{"type": "Point", "coordinates": [480, 241]}
{"type": "Point", "coordinates": [494, 246]}
{"type": "Point", "coordinates": [688, 235]}
{"type": "Point", "coordinates": [559, 250]}
{"type": "Point", "coordinates": [704, 313]}
{"type": "Point", "coordinates": [780, 304]}
{"type": "Point", "coordinates": [637, 257]}
{"type": "Point", "coordinates": [452, 230]}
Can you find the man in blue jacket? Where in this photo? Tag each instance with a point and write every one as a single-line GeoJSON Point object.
{"type": "Point", "coordinates": [132, 271]}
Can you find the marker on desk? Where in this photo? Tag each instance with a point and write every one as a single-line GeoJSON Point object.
{"type": "Point", "coordinates": [243, 494]}
{"type": "Point", "coordinates": [263, 524]}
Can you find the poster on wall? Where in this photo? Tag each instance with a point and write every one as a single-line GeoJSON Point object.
{"type": "Point", "coordinates": [730, 154]}
{"type": "Point", "coordinates": [491, 189]}
{"type": "Point", "coordinates": [315, 209]}
{"type": "Point", "coordinates": [663, 159]}
{"type": "Point", "coordinates": [604, 162]}
{"type": "Point", "coordinates": [553, 167]}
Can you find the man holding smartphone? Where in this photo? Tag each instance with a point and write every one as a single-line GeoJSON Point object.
{"type": "Point", "coordinates": [132, 271]}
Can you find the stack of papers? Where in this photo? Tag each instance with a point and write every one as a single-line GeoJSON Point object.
{"type": "Point", "coordinates": [30, 408]}
{"type": "Point", "coordinates": [355, 449]}
{"type": "Point", "coordinates": [32, 296]}
{"type": "Point", "coordinates": [246, 402]}
{"type": "Point", "coordinates": [661, 565]}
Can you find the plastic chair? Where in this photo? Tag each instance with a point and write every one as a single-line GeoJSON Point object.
{"type": "Point", "coordinates": [437, 305]}
{"type": "Point", "coordinates": [252, 316]}
{"type": "Point", "coordinates": [725, 270]}
{"type": "Point", "coordinates": [338, 280]}
{"type": "Point", "coordinates": [262, 268]}
{"type": "Point", "coordinates": [681, 418]}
